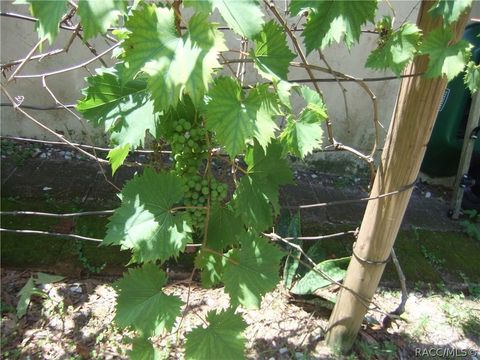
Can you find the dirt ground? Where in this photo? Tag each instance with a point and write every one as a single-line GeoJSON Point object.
{"type": "Point", "coordinates": [74, 321]}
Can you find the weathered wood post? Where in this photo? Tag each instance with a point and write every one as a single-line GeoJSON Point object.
{"type": "Point", "coordinates": [412, 122]}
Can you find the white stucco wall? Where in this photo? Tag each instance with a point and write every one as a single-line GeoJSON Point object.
{"type": "Point", "coordinates": [18, 37]}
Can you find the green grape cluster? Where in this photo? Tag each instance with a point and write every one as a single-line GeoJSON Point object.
{"type": "Point", "coordinates": [189, 146]}
{"type": "Point", "coordinates": [196, 193]}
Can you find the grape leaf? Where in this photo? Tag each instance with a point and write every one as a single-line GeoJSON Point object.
{"type": "Point", "coordinates": [49, 14]}
{"type": "Point", "coordinates": [199, 5]}
{"type": "Point", "coordinates": [125, 110]}
{"type": "Point", "coordinates": [245, 17]}
{"type": "Point", "coordinates": [444, 59]}
{"type": "Point", "coordinates": [251, 271]}
{"type": "Point", "coordinates": [152, 35]}
{"type": "Point", "coordinates": [268, 170]}
{"type": "Point", "coordinates": [25, 294]}
{"type": "Point", "coordinates": [301, 136]}
{"type": "Point", "coordinates": [472, 77]}
{"type": "Point", "coordinates": [396, 49]}
{"type": "Point", "coordinates": [143, 349]}
{"type": "Point", "coordinates": [175, 64]}
{"type": "Point", "coordinates": [252, 204]}
{"type": "Point", "coordinates": [222, 337]}
{"type": "Point", "coordinates": [284, 89]}
{"type": "Point", "coordinates": [97, 16]}
{"type": "Point", "coordinates": [117, 156]}
{"type": "Point", "coordinates": [450, 10]}
{"type": "Point", "coordinates": [212, 266]}
{"type": "Point", "coordinates": [142, 304]}
{"type": "Point", "coordinates": [224, 227]}
{"type": "Point", "coordinates": [237, 119]}
{"type": "Point", "coordinates": [272, 55]}
{"type": "Point", "coordinates": [205, 36]}
{"type": "Point", "coordinates": [170, 74]}
{"type": "Point", "coordinates": [329, 20]}
{"type": "Point", "coordinates": [145, 223]}
{"type": "Point", "coordinates": [312, 281]}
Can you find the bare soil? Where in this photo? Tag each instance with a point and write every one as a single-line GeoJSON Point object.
{"type": "Point", "coordinates": [75, 321]}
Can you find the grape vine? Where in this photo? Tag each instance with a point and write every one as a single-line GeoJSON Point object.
{"type": "Point", "coordinates": [174, 80]}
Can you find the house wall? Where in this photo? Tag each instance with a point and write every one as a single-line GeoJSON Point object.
{"type": "Point", "coordinates": [353, 127]}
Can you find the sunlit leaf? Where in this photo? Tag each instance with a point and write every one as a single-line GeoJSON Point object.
{"type": "Point", "coordinates": [142, 304]}
{"type": "Point", "coordinates": [97, 16]}
{"type": "Point", "coordinates": [330, 20]}
{"type": "Point", "coordinates": [223, 335]}
{"type": "Point", "coordinates": [444, 58]}
{"type": "Point", "coordinates": [145, 221]}
{"type": "Point", "coordinates": [251, 271]}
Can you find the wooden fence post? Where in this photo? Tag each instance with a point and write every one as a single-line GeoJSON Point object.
{"type": "Point", "coordinates": [412, 122]}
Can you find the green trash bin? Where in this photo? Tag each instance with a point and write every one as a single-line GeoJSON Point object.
{"type": "Point", "coordinates": [445, 145]}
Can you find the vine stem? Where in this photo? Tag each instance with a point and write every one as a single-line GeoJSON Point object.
{"type": "Point", "coordinates": [63, 139]}
{"type": "Point", "coordinates": [61, 71]}
{"type": "Point", "coordinates": [340, 85]}
{"type": "Point", "coordinates": [302, 56]}
{"type": "Point", "coordinates": [29, 55]}
{"type": "Point", "coordinates": [75, 214]}
{"type": "Point", "coordinates": [35, 57]}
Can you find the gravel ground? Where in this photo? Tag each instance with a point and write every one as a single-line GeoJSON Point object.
{"type": "Point", "coordinates": [74, 320]}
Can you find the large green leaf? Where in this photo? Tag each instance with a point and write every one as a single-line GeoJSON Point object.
{"type": "Point", "coordinates": [330, 20]}
{"type": "Point", "coordinates": [212, 266]}
{"type": "Point", "coordinates": [269, 170]}
{"type": "Point", "coordinates": [97, 16]}
{"type": "Point", "coordinates": [395, 49]}
{"type": "Point", "coordinates": [145, 222]}
{"type": "Point", "coordinates": [252, 204]}
{"type": "Point", "coordinates": [450, 10]}
{"type": "Point", "coordinates": [25, 294]}
{"type": "Point", "coordinates": [472, 77]}
{"type": "Point", "coordinates": [204, 35]}
{"type": "Point", "coordinates": [251, 271]}
{"type": "Point", "coordinates": [199, 5]}
{"type": "Point", "coordinates": [222, 338]}
{"type": "Point", "coordinates": [49, 14]}
{"type": "Point", "coordinates": [224, 228]}
{"type": "Point", "coordinates": [142, 304]}
{"type": "Point", "coordinates": [444, 58]}
{"type": "Point", "coordinates": [258, 191]}
{"type": "Point", "coordinates": [153, 35]}
{"type": "Point", "coordinates": [301, 136]}
{"type": "Point", "coordinates": [237, 119]}
{"type": "Point", "coordinates": [124, 109]}
{"type": "Point", "coordinates": [272, 55]}
{"type": "Point", "coordinates": [245, 16]}
{"type": "Point", "coordinates": [335, 269]}
{"type": "Point", "coordinates": [176, 64]}
{"type": "Point", "coordinates": [143, 349]}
